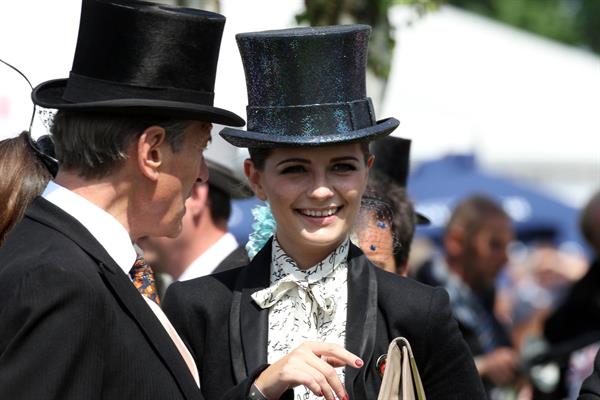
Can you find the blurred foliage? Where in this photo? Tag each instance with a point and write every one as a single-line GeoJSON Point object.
{"type": "Point", "coordinates": [211, 5]}
{"type": "Point", "coordinates": [574, 22]}
{"type": "Point", "coordinates": [370, 12]}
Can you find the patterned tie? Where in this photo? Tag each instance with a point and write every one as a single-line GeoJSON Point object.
{"type": "Point", "coordinates": [143, 279]}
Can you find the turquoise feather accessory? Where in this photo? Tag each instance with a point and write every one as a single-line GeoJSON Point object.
{"type": "Point", "coordinates": [264, 226]}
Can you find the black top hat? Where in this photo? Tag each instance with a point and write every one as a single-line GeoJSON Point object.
{"type": "Point", "coordinates": [224, 179]}
{"type": "Point", "coordinates": [392, 158]}
{"type": "Point", "coordinates": [143, 58]}
{"type": "Point", "coordinates": [306, 87]}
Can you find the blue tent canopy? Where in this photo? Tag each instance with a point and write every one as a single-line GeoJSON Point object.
{"type": "Point", "coordinates": [437, 186]}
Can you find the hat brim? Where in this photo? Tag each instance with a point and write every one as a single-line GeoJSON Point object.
{"type": "Point", "coordinates": [50, 95]}
{"type": "Point", "coordinates": [243, 138]}
{"type": "Point", "coordinates": [223, 179]}
{"type": "Point", "coordinates": [421, 219]}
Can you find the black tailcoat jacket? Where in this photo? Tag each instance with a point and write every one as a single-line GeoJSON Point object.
{"type": "Point", "coordinates": [227, 332]}
{"type": "Point", "coordinates": [72, 326]}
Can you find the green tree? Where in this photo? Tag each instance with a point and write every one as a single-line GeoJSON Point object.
{"type": "Point", "coordinates": [370, 12]}
{"type": "Point", "coordinates": [573, 22]}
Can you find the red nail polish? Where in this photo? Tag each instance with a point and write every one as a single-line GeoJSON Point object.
{"type": "Point", "coordinates": [359, 363]}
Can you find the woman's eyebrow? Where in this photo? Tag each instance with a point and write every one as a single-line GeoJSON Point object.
{"type": "Point", "coordinates": [344, 158]}
{"type": "Point", "coordinates": [298, 160]}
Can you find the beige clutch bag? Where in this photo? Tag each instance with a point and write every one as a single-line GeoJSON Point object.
{"type": "Point", "coordinates": [401, 379]}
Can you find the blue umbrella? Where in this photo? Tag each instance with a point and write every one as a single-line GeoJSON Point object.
{"type": "Point", "coordinates": [437, 186]}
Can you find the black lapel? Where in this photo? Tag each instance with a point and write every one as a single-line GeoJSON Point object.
{"type": "Point", "coordinates": [248, 323]}
{"type": "Point", "coordinates": [52, 216]}
{"type": "Point", "coordinates": [237, 258]}
{"type": "Point", "coordinates": [361, 320]}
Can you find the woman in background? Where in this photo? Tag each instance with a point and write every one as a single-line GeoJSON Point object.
{"type": "Point", "coordinates": [24, 173]}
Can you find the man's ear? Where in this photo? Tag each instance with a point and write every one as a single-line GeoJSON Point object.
{"type": "Point", "coordinates": [150, 151]}
{"type": "Point", "coordinates": [198, 201]}
{"type": "Point", "coordinates": [253, 176]}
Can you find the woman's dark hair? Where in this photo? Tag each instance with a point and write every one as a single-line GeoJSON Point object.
{"type": "Point", "coordinates": [259, 155]}
{"type": "Point", "coordinates": [23, 178]}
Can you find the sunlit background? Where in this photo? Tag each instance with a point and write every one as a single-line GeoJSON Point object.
{"type": "Point", "coordinates": [512, 85]}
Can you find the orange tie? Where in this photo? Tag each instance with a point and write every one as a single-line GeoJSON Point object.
{"type": "Point", "coordinates": [143, 279]}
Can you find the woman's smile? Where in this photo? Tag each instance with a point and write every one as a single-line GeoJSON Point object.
{"type": "Point", "coordinates": [320, 216]}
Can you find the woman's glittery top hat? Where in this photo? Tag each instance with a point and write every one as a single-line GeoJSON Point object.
{"type": "Point", "coordinates": [306, 87]}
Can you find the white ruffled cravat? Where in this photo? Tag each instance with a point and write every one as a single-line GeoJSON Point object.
{"type": "Point", "coordinates": [317, 296]}
{"type": "Point", "coordinates": [311, 283]}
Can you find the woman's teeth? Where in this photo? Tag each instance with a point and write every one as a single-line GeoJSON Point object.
{"type": "Point", "coordinates": [319, 213]}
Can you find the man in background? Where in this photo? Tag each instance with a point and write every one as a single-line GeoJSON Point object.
{"type": "Point", "coordinates": [475, 243]}
{"type": "Point", "coordinates": [204, 246]}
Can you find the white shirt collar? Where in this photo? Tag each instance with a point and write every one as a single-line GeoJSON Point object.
{"type": "Point", "coordinates": [208, 261]}
{"type": "Point", "coordinates": [103, 226]}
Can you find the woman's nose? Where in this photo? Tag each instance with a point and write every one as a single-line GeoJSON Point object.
{"type": "Point", "coordinates": [321, 188]}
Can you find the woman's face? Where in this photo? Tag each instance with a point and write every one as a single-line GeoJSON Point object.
{"type": "Point", "coordinates": [314, 193]}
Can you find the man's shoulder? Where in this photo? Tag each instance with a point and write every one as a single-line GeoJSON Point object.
{"type": "Point", "coordinates": [32, 245]}
{"type": "Point", "coordinates": [391, 284]}
{"type": "Point", "coordinates": [408, 298]}
{"type": "Point", "coordinates": [207, 295]}
{"type": "Point", "coordinates": [221, 283]}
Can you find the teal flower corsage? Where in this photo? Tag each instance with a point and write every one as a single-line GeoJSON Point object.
{"type": "Point", "coordinates": [264, 226]}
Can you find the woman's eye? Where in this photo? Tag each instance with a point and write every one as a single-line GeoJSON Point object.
{"type": "Point", "coordinates": [293, 169]}
{"type": "Point", "coordinates": [343, 167]}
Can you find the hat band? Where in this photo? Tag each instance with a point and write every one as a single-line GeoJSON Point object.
{"type": "Point", "coordinates": [83, 89]}
{"type": "Point", "coordinates": [312, 119]}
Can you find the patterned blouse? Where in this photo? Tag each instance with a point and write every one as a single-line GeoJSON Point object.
{"type": "Point", "coordinates": [305, 305]}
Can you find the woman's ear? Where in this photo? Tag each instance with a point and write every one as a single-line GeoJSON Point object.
{"type": "Point", "coordinates": [253, 175]}
{"type": "Point", "coordinates": [150, 151]}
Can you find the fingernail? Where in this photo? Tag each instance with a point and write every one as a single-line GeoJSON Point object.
{"type": "Point", "coordinates": [359, 363]}
{"type": "Point", "coordinates": [345, 397]}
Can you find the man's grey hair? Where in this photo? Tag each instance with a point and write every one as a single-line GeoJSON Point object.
{"type": "Point", "coordinates": [95, 144]}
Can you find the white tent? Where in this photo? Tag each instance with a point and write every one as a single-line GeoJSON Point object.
{"type": "Point", "coordinates": [523, 104]}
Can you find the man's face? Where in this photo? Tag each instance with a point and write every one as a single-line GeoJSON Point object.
{"type": "Point", "coordinates": [485, 253]}
{"type": "Point", "coordinates": [168, 255]}
{"type": "Point", "coordinates": [178, 173]}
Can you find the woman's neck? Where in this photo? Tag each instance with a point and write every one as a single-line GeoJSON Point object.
{"type": "Point", "coordinates": [307, 256]}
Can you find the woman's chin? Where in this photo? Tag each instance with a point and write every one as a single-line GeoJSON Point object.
{"type": "Point", "coordinates": [324, 237]}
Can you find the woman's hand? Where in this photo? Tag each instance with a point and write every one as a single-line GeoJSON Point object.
{"type": "Point", "coordinates": [311, 364]}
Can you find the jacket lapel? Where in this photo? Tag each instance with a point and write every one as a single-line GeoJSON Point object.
{"type": "Point", "coordinates": [248, 322]}
{"type": "Point", "coordinates": [237, 258]}
{"type": "Point", "coordinates": [361, 320]}
{"type": "Point", "coordinates": [52, 216]}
